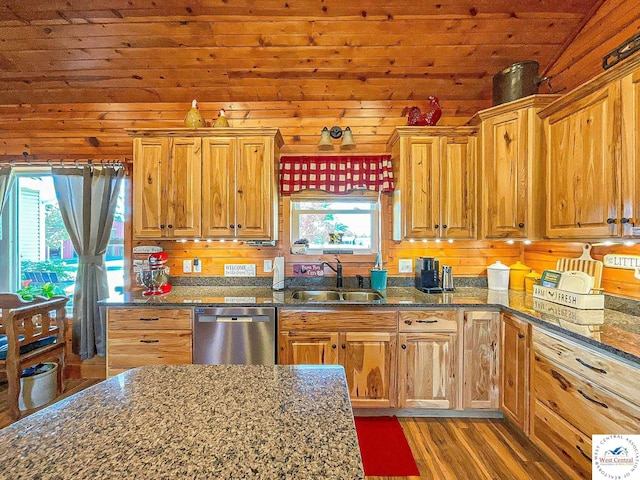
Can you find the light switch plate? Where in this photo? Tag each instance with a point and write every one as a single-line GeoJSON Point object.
{"type": "Point", "coordinates": [405, 266]}
{"type": "Point", "coordinates": [268, 266]}
{"type": "Point", "coordinates": [186, 266]}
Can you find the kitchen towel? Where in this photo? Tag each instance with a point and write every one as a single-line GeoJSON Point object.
{"type": "Point", "coordinates": [278, 273]}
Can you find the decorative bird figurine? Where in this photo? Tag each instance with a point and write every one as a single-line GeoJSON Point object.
{"type": "Point", "coordinates": [429, 118]}
{"type": "Point", "coordinates": [194, 118]}
{"type": "Point", "coordinates": [221, 121]}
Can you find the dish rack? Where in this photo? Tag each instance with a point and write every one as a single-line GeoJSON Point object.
{"type": "Point", "coordinates": [588, 301]}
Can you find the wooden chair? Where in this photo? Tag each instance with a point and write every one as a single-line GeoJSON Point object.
{"type": "Point", "coordinates": [31, 332]}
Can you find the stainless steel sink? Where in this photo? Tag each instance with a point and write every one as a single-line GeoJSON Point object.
{"type": "Point", "coordinates": [317, 295]}
{"type": "Point", "coordinates": [361, 296]}
{"type": "Point", "coordinates": [336, 296]}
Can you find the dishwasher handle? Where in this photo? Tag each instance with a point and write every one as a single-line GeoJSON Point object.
{"type": "Point", "coordinates": [232, 318]}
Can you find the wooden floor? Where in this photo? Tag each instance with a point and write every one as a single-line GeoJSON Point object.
{"type": "Point", "coordinates": [444, 448]}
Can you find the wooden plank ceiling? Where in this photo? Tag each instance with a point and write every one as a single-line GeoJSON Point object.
{"type": "Point", "coordinates": [119, 51]}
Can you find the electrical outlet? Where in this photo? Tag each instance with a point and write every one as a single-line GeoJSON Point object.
{"type": "Point", "coordinates": [186, 266]}
{"type": "Point", "coordinates": [405, 266]}
{"type": "Point", "coordinates": [268, 266]}
{"type": "Point", "coordinates": [197, 265]}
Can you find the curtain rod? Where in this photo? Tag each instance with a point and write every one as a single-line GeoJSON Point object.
{"type": "Point", "coordinates": [68, 163]}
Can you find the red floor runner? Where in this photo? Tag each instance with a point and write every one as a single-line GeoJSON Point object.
{"type": "Point", "coordinates": [384, 448]}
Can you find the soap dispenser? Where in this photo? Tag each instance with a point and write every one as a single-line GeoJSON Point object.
{"type": "Point", "coordinates": [278, 273]}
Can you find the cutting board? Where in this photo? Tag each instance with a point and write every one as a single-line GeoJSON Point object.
{"type": "Point", "coordinates": [576, 281]}
{"type": "Point", "coordinates": [584, 263]}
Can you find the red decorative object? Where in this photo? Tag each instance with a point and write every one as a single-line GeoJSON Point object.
{"type": "Point", "coordinates": [429, 118]}
{"type": "Point", "coordinates": [336, 174]}
{"type": "Point", "coordinates": [384, 448]}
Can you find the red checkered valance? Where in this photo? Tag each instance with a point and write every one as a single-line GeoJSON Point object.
{"type": "Point", "coordinates": [336, 174]}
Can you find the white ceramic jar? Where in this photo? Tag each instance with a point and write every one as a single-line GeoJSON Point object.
{"type": "Point", "coordinates": [498, 276]}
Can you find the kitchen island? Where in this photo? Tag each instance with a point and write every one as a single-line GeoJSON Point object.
{"type": "Point", "coordinates": [193, 421]}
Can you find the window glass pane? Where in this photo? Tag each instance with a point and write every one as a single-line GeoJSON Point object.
{"type": "Point", "coordinates": [336, 223]}
{"type": "Point", "coordinates": [44, 253]}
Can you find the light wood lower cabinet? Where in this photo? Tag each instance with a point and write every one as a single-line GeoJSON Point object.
{"type": "Point", "coordinates": [481, 360]}
{"type": "Point", "coordinates": [147, 336]}
{"type": "Point", "coordinates": [578, 392]}
{"type": "Point", "coordinates": [514, 370]}
{"type": "Point", "coordinates": [428, 359]}
{"type": "Point", "coordinates": [364, 342]}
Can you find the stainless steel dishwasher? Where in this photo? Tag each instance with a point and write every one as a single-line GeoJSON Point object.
{"type": "Point", "coordinates": [234, 335]}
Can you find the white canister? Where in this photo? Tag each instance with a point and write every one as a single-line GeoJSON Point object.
{"type": "Point", "coordinates": [498, 276]}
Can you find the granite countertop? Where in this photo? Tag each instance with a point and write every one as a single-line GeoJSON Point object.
{"type": "Point", "coordinates": [612, 331]}
{"type": "Point", "coordinates": [193, 422]}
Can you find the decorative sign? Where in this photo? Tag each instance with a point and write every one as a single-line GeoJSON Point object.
{"type": "Point", "coordinates": [569, 299]}
{"type": "Point", "coordinates": [308, 270]}
{"type": "Point", "coordinates": [240, 270]}
{"type": "Point", "coordinates": [616, 260]}
{"type": "Point", "coordinates": [574, 315]}
{"type": "Point", "coordinates": [239, 299]}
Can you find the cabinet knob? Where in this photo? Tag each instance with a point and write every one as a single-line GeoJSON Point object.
{"type": "Point", "coordinates": [436, 226]}
{"type": "Point", "coordinates": [521, 225]}
{"type": "Point", "coordinates": [334, 346]}
{"type": "Point", "coordinates": [231, 225]}
{"type": "Point", "coordinates": [239, 226]}
{"type": "Point", "coordinates": [240, 192]}
{"type": "Point", "coordinates": [404, 347]}
{"type": "Point", "coordinates": [170, 226]}
{"type": "Point", "coordinates": [624, 220]}
{"type": "Point", "coordinates": [444, 226]}
{"type": "Point", "coordinates": [611, 221]}
{"type": "Point", "coordinates": [343, 346]}
{"type": "Point", "coordinates": [521, 335]}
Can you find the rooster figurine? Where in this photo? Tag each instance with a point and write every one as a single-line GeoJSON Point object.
{"type": "Point", "coordinates": [429, 118]}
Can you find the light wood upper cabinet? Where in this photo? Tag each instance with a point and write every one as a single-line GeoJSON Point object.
{"type": "Point", "coordinates": [206, 183]}
{"type": "Point", "coordinates": [481, 360]}
{"type": "Point", "coordinates": [511, 159]}
{"type": "Point", "coordinates": [434, 169]}
{"type": "Point", "coordinates": [592, 156]}
{"type": "Point", "coordinates": [166, 187]}
{"type": "Point", "coordinates": [514, 370]}
{"type": "Point", "coordinates": [583, 166]}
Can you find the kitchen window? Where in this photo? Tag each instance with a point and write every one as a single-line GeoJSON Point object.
{"type": "Point", "coordinates": [336, 223]}
{"type": "Point", "coordinates": [35, 244]}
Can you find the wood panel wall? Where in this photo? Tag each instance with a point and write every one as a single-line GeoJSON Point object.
{"type": "Point", "coordinates": [614, 22]}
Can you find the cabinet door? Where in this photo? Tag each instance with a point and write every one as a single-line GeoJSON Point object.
{"type": "Point", "coordinates": [457, 187]}
{"type": "Point", "coordinates": [514, 370]}
{"type": "Point", "coordinates": [583, 167]}
{"type": "Point", "coordinates": [422, 196]}
{"type": "Point", "coordinates": [149, 180]}
{"type": "Point", "coordinates": [504, 164]}
{"type": "Point", "coordinates": [630, 219]}
{"type": "Point", "coordinates": [427, 370]}
{"type": "Point", "coordinates": [314, 348]}
{"type": "Point", "coordinates": [256, 200]}
{"type": "Point", "coordinates": [218, 187]}
{"type": "Point", "coordinates": [183, 193]}
{"type": "Point", "coordinates": [369, 361]}
{"type": "Point", "coordinates": [480, 369]}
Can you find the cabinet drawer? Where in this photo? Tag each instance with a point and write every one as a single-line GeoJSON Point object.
{"type": "Point", "coordinates": [338, 320]}
{"type": "Point", "coordinates": [149, 318]}
{"type": "Point", "coordinates": [135, 348]}
{"type": "Point", "coordinates": [565, 444]}
{"type": "Point", "coordinates": [594, 366]}
{"type": "Point", "coordinates": [590, 409]}
{"type": "Point", "coordinates": [428, 321]}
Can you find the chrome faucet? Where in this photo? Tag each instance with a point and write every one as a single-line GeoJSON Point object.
{"type": "Point", "coordinates": [337, 269]}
